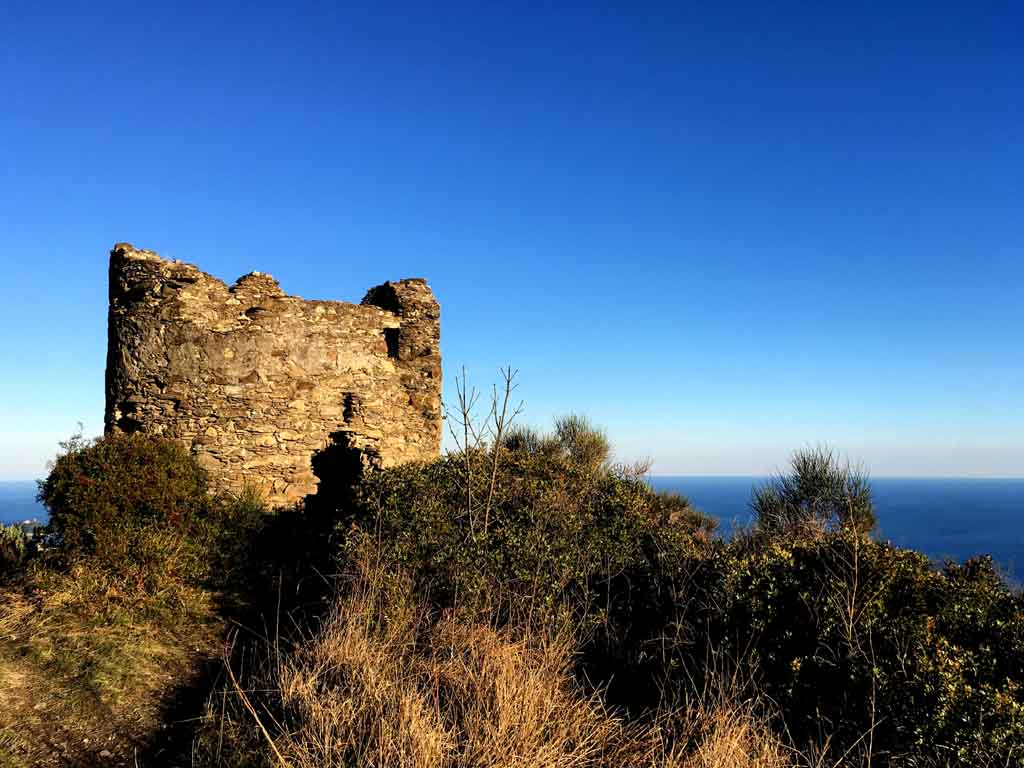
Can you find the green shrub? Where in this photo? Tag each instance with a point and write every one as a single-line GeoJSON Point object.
{"type": "Point", "coordinates": [97, 489]}
{"type": "Point", "coordinates": [140, 507]}
{"type": "Point", "coordinates": [557, 519]}
{"type": "Point", "coordinates": [860, 645]}
{"type": "Point", "coordinates": [580, 442]}
{"type": "Point", "coordinates": [12, 547]}
{"type": "Point", "coordinates": [846, 635]}
{"type": "Point", "coordinates": [818, 495]}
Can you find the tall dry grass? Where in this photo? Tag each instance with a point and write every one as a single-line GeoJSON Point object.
{"type": "Point", "coordinates": [384, 684]}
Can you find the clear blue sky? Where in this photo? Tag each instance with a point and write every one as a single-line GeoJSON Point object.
{"type": "Point", "coordinates": [722, 231]}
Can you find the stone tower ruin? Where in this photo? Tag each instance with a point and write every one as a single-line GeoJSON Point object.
{"type": "Point", "coordinates": [258, 383]}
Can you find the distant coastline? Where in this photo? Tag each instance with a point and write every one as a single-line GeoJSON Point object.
{"type": "Point", "coordinates": [18, 502]}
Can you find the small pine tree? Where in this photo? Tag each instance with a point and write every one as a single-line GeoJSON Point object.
{"type": "Point", "coordinates": [819, 494]}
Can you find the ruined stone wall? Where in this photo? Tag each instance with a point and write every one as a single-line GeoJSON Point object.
{"type": "Point", "coordinates": [257, 383]}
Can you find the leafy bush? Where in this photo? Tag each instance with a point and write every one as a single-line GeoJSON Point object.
{"type": "Point", "coordinates": [859, 643]}
{"type": "Point", "coordinates": [580, 442]}
{"type": "Point", "coordinates": [529, 521]}
{"type": "Point", "coordinates": [99, 488]}
{"type": "Point", "coordinates": [863, 647]}
{"type": "Point", "coordinates": [140, 507]}
{"type": "Point", "coordinates": [12, 547]}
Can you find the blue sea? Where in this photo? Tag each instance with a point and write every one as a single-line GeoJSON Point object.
{"type": "Point", "coordinates": [953, 518]}
{"type": "Point", "coordinates": [942, 517]}
{"type": "Point", "coordinates": [18, 502]}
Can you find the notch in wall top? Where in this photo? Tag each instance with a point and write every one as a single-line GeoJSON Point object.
{"type": "Point", "coordinates": [398, 297]}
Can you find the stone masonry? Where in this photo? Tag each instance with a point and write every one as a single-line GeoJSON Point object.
{"type": "Point", "coordinates": [257, 383]}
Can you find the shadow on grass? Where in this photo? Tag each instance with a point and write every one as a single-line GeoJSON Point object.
{"type": "Point", "coordinates": [282, 587]}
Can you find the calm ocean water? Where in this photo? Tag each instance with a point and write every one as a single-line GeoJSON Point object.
{"type": "Point", "coordinates": [942, 517]}
{"type": "Point", "coordinates": [18, 502]}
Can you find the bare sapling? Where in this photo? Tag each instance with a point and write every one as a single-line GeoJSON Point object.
{"type": "Point", "coordinates": [470, 434]}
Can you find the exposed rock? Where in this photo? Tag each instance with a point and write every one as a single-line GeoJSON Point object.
{"type": "Point", "coordinates": [257, 382]}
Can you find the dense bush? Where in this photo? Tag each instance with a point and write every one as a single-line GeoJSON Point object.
{"type": "Point", "coordinates": [817, 496]}
{"type": "Point", "coordinates": [862, 646]}
{"type": "Point", "coordinates": [96, 489]}
{"type": "Point", "coordinates": [854, 637]}
{"type": "Point", "coordinates": [141, 507]}
{"type": "Point", "coordinates": [529, 522]}
{"type": "Point", "coordinates": [12, 547]}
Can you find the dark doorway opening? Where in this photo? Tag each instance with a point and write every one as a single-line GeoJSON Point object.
{"type": "Point", "coordinates": [391, 339]}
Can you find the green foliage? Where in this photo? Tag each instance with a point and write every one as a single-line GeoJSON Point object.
{"type": "Point", "coordinates": [818, 495]}
{"type": "Point", "coordinates": [582, 443]}
{"type": "Point", "coordinates": [98, 489]}
{"type": "Point", "coordinates": [559, 520]}
{"type": "Point", "coordinates": [861, 645]}
{"type": "Point", "coordinates": [676, 509]}
{"type": "Point", "coordinates": [140, 508]}
{"type": "Point", "coordinates": [12, 547]}
{"type": "Point", "coordinates": [850, 637]}
{"type": "Point", "coordinates": [574, 440]}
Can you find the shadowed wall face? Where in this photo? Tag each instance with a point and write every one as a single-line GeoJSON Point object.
{"type": "Point", "coordinates": [256, 382]}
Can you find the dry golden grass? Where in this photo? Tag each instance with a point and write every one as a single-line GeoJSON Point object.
{"type": "Point", "coordinates": [380, 685]}
{"type": "Point", "coordinates": [733, 736]}
{"type": "Point", "coordinates": [383, 685]}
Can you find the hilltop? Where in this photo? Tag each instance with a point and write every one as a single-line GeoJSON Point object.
{"type": "Point", "coordinates": [523, 600]}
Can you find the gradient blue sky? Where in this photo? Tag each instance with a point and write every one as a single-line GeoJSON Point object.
{"type": "Point", "coordinates": [720, 230]}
